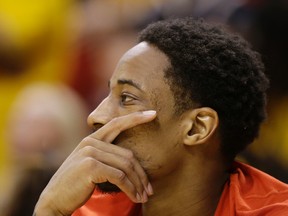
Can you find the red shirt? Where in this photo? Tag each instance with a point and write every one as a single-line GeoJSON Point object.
{"type": "Point", "coordinates": [251, 192]}
{"type": "Point", "coordinates": [248, 192]}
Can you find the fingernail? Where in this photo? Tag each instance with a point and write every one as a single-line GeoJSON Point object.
{"type": "Point", "coordinates": [138, 197]}
{"type": "Point", "coordinates": [150, 189]}
{"type": "Point", "coordinates": [149, 112]}
{"type": "Point", "coordinates": [145, 197]}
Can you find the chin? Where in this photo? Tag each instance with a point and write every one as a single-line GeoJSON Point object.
{"type": "Point", "coordinates": [107, 187]}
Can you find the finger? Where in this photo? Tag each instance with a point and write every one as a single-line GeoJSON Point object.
{"type": "Point", "coordinates": [128, 164]}
{"type": "Point", "coordinates": [115, 153]}
{"type": "Point", "coordinates": [113, 128]}
{"type": "Point", "coordinates": [103, 173]}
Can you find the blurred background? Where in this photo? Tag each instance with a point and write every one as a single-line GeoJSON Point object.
{"type": "Point", "coordinates": [57, 56]}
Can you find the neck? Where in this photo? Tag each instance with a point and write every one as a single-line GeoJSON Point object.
{"type": "Point", "coordinates": [176, 196]}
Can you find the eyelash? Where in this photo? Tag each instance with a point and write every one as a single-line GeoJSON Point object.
{"type": "Point", "coordinates": [124, 96]}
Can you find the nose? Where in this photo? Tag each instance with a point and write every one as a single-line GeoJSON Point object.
{"type": "Point", "coordinates": [102, 114]}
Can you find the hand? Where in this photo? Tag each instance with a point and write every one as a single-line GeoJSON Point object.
{"type": "Point", "coordinates": [96, 160]}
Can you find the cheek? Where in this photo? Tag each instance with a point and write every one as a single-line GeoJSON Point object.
{"type": "Point", "coordinates": [159, 155]}
{"type": "Point", "coordinates": [156, 148]}
{"type": "Point", "coordinates": [161, 159]}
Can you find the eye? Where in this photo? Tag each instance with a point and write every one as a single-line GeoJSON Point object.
{"type": "Point", "coordinates": [127, 98]}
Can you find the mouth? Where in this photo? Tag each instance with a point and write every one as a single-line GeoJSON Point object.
{"type": "Point", "coordinates": [107, 187]}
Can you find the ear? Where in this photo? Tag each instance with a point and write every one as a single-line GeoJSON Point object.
{"type": "Point", "coordinates": [200, 125]}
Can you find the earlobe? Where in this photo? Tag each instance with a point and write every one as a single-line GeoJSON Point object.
{"type": "Point", "coordinates": [203, 123]}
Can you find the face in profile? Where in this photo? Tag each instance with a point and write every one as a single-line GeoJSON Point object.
{"type": "Point", "coordinates": [138, 84]}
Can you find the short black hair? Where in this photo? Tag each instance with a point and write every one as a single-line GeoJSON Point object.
{"type": "Point", "coordinates": [213, 67]}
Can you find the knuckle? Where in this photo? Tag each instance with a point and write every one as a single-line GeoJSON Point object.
{"type": "Point", "coordinates": [89, 163]}
{"type": "Point", "coordinates": [87, 150]}
{"type": "Point", "coordinates": [85, 141]}
{"type": "Point", "coordinates": [128, 165]}
{"type": "Point", "coordinates": [129, 155]}
{"type": "Point", "coordinates": [120, 177]}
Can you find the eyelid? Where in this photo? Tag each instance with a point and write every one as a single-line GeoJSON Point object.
{"type": "Point", "coordinates": [129, 95]}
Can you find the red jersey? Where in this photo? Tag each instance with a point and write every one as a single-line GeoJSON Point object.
{"type": "Point", "coordinates": [251, 192]}
{"type": "Point", "coordinates": [248, 192]}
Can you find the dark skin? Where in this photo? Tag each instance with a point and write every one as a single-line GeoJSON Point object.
{"type": "Point", "coordinates": [176, 154]}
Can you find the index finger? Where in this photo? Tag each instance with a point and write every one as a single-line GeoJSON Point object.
{"type": "Point", "coordinates": [119, 124]}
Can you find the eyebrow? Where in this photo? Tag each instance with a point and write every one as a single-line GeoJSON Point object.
{"type": "Point", "coordinates": [128, 82]}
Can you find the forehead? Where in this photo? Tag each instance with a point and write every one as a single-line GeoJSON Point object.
{"type": "Point", "coordinates": [144, 64]}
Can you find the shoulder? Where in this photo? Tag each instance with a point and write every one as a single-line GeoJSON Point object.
{"type": "Point", "coordinates": [250, 191]}
{"type": "Point", "coordinates": [252, 180]}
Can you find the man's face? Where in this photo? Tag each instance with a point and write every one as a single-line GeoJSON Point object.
{"type": "Point", "coordinates": [138, 84]}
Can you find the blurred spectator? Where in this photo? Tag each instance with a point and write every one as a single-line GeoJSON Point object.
{"type": "Point", "coordinates": [211, 10]}
{"type": "Point", "coordinates": [49, 41]}
{"type": "Point", "coordinates": [105, 33]}
{"type": "Point", "coordinates": [45, 124]}
{"type": "Point", "coordinates": [34, 46]}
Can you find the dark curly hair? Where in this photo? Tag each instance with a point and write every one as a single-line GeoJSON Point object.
{"type": "Point", "coordinates": [215, 68]}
